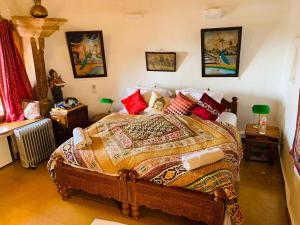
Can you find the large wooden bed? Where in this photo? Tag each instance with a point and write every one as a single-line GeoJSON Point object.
{"type": "Point", "coordinates": [133, 192]}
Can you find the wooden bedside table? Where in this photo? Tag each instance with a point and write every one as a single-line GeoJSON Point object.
{"type": "Point", "coordinates": [261, 147]}
{"type": "Point", "coordinates": [98, 117]}
{"type": "Point", "coordinates": [64, 121]}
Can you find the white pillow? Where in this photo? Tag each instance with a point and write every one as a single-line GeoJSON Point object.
{"type": "Point", "coordinates": [157, 103]}
{"type": "Point", "coordinates": [32, 110]}
{"type": "Point", "coordinates": [228, 117]}
{"type": "Point", "coordinates": [195, 94]}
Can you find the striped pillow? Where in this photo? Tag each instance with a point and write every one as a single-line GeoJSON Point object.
{"type": "Point", "coordinates": [181, 105]}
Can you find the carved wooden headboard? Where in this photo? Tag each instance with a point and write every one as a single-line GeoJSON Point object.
{"type": "Point", "coordinates": [231, 106]}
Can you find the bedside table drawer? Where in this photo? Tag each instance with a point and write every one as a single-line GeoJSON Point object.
{"type": "Point", "coordinates": [59, 119]}
{"type": "Point", "coordinates": [261, 138]}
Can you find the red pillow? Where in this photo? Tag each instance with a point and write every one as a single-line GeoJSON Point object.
{"type": "Point", "coordinates": [207, 108]}
{"type": "Point", "coordinates": [180, 105]}
{"type": "Point", "coordinates": [135, 103]}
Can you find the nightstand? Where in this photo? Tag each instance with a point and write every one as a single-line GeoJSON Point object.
{"type": "Point", "coordinates": [261, 147]}
{"type": "Point", "coordinates": [64, 121]}
{"type": "Point", "coordinates": [98, 117]}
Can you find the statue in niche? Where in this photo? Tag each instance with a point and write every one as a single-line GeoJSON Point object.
{"type": "Point", "coordinates": [55, 84]}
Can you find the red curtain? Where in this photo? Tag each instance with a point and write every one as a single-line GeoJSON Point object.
{"type": "Point", "coordinates": [14, 82]}
{"type": "Point", "coordinates": [296, 145]}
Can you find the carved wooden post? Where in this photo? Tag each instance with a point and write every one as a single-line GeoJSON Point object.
{"type": "Point", "coordinates": [62, 189]}
{"type": "Point", "coordinates": [217, 195]}
{"type": "Point", "coordinates": [133, 207]}
{"type": "Point", "coordinates": [33, 31]}
{"type": "Point", "coordinates": [234, 107]}
{"type": "Point", "coordinates": [135, 212]}
{"type": "Point", "coordinates": [125, 205]}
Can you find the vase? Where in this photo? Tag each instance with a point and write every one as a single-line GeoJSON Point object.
{"type": "Point", "coordinates": [38, 11]}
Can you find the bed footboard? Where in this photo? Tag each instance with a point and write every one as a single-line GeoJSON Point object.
{"type": "Point", "coordinates": [175, 201]}
{"type": "Point", "coordinates": [133, 193]}
{"type": "Point", "coordinates": [68, 177]}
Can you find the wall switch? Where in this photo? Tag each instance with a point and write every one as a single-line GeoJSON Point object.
{"type": "Point", "coordinates": [94, 89]}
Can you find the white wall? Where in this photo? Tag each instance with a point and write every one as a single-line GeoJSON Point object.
{"type": "Point", "coordinates": [288, 111]}
{"type": "Point", "coordinates": [170, 25]}
{"type": "Point", "coordinates": [5, 8]}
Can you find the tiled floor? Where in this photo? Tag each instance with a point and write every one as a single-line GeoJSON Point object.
{"type": "Point", "coordinates": [30, 197]}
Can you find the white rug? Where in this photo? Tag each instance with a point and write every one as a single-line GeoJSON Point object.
{"type": "Point", "coordinates": [105, 222]}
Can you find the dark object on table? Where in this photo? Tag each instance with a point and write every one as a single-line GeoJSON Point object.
{"type": "Point", "coordinates": [55, 84]}
{"type": "Point", "coordinates": [261, 148]}
{"type": "Point", "coordinates": [65, 120]}
{"type": "Point", "coordinates": [72, 102]}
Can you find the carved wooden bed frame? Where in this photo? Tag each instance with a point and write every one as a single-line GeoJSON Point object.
{"type": "Point", "coordinates": [133, 192]}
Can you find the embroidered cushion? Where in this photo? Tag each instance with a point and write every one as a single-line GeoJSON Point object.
{"type": "Point", "coordinates": [135, 103]}
{"type": "Point", "coordinates": [207, 108]}
{"type": "Point", "coordinates": [180, 105]}
{"type": "Point", "coordinates": [195, 94]}
{"type": "Point", "coordinates": [157, 103]}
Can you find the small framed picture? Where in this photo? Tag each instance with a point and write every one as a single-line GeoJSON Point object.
{"type": "Point", "coordinates": [87, 54]}
{"type": "Point", "coordinates": [220, 49]}
{"type": "Point", "coordinates": [161, 61]}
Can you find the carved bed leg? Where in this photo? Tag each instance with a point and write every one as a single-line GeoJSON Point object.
{"type": "Point", "coordinates": [64, 191]}
{"type": "Point", "coordinates": [58, 188]}
{"type": "Point", "coordinates": [125, 209]}
{"type": "Point", "coordinates": [217, 195]}
{"type": "Point", "coordinates": [135, 213]}
{"type": "Point", "coordinates": [123, 192]}
{"type": "Point", "coordinates": [133, 175]}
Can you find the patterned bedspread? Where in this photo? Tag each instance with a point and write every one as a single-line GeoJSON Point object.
{"type": "Point", "coordinates": [153, 146]}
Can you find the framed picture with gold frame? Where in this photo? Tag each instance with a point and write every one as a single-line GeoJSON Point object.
{"type": "Point", "coordinates": [161, 61]}
{"type": "Point", "coordinates": [86, 49]}
{"type": "Point", "coordinates": [220, 49]}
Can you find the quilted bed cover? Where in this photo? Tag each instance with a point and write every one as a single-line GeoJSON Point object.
{"type": "Point", "coordinates": [153, 146]}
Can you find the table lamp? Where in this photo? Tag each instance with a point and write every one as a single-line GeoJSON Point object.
{"type": "Point", "coordinates": [260, 110]}
{"type": "Point", "coordinates": [107, 101]}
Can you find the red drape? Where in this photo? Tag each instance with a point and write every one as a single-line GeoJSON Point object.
{"type": "Point", "coordinates": [14, 82]}
{"type": "Point", "coordinates": [296, 144]}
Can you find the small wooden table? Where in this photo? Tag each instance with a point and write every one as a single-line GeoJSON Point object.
{"type": "Point", "coordinates": [98, 117]}
{"type": "Point", "coordinates": [64, 121]}
{"type": "Point", "coordinates": [261, 147]}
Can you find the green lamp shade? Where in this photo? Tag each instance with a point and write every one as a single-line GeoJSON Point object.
{"type": "Point", "coordinates": [261, 109]}
{"type": "Point", "coordinates": [106, 101]}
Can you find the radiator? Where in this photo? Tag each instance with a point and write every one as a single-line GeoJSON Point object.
{"type": "Point", "coordinates": [35, 142]}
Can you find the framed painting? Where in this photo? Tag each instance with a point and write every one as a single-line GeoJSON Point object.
{"type": "Point", "coordinates": [87, 54]}
{"type": "Point", "coordinates": [220, 49]}
{"type": "Point", "coordinates": [161, 61]}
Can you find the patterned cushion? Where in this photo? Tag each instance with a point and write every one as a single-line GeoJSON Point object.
{"type": "Point", "coordinates": [157, 103]}
{"type": "Point", "coordinates": [135, 103]}
{"type": "Point", "coordinates": [207, 108]}
{"type": "Point", "coordinates": [181, 105]}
